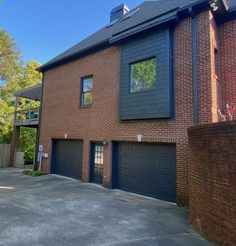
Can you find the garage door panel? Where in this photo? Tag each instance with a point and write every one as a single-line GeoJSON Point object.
{"type": "Point", "coordinates": [166, 177]}
{"type": "Point", "coordinates": [147, 169]}
{"type": "Point", "coordinates": [125, 171]}
{"type": "Point", "coordinates": [67, 158]}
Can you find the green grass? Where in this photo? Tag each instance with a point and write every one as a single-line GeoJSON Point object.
{"type": "Point", "coordinates": [33, 173]}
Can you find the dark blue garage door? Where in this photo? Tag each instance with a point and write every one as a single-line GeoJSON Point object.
{"type": "Point", "coordinates": [67, 158]}
{"type": "Point", "coordinates": [147, 169]}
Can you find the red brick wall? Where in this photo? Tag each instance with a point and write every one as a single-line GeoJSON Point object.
{"type": "Point", "coordinates": [227, 33]}
{"type": "Point", "coordinates": [212, 182]}
{"type": "Point", "coordinates": [207, 42]}
{"type": "Point", "coordinates": [61, 111]}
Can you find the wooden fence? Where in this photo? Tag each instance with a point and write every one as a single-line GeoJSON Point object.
{"type": "Point", "coordinates": [4, 155]}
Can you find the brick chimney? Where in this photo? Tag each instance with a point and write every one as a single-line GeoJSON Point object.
{"type": "Point", "coordinates": [118, 12]}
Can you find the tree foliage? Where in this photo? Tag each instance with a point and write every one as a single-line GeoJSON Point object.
{"type": "Point", "coordinates": [27, 143]}
{"type": "Point", "coordinates": [143, 75]}
{"type": "Point", "coordinates": [14, 76]}
{"type": "Point", "coordinates": [6, 118]}
{"type": "Point", "coordinates": [10, 58]}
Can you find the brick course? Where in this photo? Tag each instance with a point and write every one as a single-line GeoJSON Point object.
{"type": "Point", "coordinates": [62, 114]}
{"type": "Point", "coordinates": [212, 182]}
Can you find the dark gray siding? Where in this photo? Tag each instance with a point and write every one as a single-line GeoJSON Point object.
{"type": "Point", "coordinates": [156, 103]}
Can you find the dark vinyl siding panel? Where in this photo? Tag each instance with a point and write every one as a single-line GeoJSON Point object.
{"type": "Point", "coordinates": [156, 103]}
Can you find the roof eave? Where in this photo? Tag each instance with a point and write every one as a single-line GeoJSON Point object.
{"type": "Point", "coordinates": [21, 93]}
{"type": "Point", "coordinates": [118, 38]}
{"type": "Point", "coordinates": [75, 56]}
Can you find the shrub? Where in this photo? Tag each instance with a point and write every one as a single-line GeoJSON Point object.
{"type": "Point", "coordinates": [33, 173]}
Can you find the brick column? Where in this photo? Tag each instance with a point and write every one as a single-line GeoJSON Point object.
{"type": "Point", "coordinates": [107, 166]}
{"type": "Point", "coordinates": [207, 88]}
{"type": "Point", "coordinates": [182, 166]}
{"type": "Point", "coordinates": [86, 161]}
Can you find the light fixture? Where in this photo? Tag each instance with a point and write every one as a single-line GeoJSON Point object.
{"type": "Point", "coordinates": [213, 4]}
{"type": "Point", "coordinates": [104, 142]}
{"type": "Point", "coordinates": [139, 138]}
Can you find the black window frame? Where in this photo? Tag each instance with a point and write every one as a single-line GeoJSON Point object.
{"type": "Point", "coordinates": [130, 75]}
{"type": "Point", "coordinates": [82, 92]}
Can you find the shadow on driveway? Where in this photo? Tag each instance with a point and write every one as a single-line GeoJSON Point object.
{"type": "Point", "coordinates": [50, 210]}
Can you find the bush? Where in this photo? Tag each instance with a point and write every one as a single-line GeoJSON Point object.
{"type": "Point", "coordinates": [27, 143]}
{"type": "Point", "coordinates": [34, 173]}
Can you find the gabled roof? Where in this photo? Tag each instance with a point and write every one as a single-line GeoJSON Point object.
{"type": "Point", "coordinates": [144, 16]}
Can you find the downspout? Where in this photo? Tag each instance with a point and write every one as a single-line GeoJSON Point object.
{"type": "Point", "coordinates": [39, 126]}
{"type": "Point", "coordinates": [195, 66]}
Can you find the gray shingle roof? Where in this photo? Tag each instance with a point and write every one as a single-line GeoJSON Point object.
{"type": "Point", "coordinates": [158, 10]}
{"type": "Point", "coordinates": [232, 3]}
{"type": "Point", "coordinates": [33, 93]}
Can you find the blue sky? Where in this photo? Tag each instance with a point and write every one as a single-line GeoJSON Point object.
{"type": "Point", "coordinates": [44, 28]}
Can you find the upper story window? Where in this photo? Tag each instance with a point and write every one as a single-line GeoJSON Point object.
{"type": "Point", "coordinates": [146, 81]}
{"type": "Point", "coordinates": [143, 75]}
{"type": "Point", "coordinates": [86, 91]}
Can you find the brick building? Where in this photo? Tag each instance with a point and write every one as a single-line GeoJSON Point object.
{"type": "Point", "coordinates": [116, 107]}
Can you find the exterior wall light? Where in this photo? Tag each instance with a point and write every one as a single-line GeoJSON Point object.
{"type": "Point", "coordinates": [139, 138]}
{"type": "Point", "coordinates": [104, 142]}
{"type": "Point", "coordinates": [213, 4]}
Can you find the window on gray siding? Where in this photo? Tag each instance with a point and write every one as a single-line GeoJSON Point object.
{"type": "Point", "coordinates": [143, 75]}
{"type": "Point", "coordinates": [86, 91]}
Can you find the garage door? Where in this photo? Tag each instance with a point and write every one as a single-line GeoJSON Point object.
{"type": "Point", "coordinates": [147, 169]}
{"type": "Point", "coordinates": [67, 158]}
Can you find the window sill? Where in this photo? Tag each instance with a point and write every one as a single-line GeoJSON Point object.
{"type": "Point", "coordinates": [143, 91]}
{"type": "Point", "coordinates": [85, 106]}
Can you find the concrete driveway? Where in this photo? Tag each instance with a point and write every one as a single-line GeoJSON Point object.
{"type": "Point", "coordinates": [50, 210]}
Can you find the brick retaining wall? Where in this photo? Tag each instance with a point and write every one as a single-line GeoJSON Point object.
{"type": "Point", "coordinates": [212, 181]}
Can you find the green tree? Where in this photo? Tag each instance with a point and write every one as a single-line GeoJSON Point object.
{"type": "Point", "coordinates": [6, 118]}
{"type": "Point", "coordinates": [28, 76]}
{"type": "Point", "coordinates": [27, 143]}
{"type": "Point", "coordinates": [10, 58]}
{"type": "Point", "coordinates": [15, 76]}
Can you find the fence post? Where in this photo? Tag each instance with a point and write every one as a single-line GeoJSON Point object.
{"type": "Point", "coordinates": [16, 105]}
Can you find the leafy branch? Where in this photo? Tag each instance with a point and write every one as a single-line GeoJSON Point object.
{"type": "Point", "coordinates": [228, 113]}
